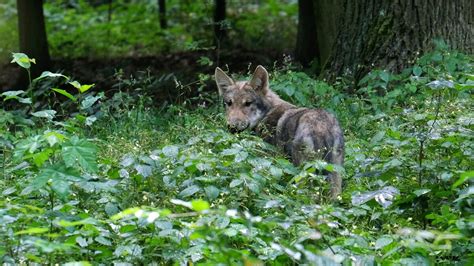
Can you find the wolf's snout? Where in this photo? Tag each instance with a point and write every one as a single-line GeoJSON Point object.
{"type": "Point", "coordinates": [237, 126]}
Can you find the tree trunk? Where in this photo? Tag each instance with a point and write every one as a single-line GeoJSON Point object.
{"type": "Point", "coordinates": [327, 17]}
{"type": "Point", "coordinates": [32, 31]}
{"type": "Point", "coordinates": [391, 34]}
{"type": "Point", "coordinates": [307, 46]}
{"type": "Point", "coordinates": [162, 11]}
{"type": "Point", "coordinates": [219, 18]}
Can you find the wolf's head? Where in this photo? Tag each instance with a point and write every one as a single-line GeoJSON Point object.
{"type": "Point", "coordinates": [245, 101]}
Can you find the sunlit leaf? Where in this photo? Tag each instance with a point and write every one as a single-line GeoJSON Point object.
{"type": "Point", "coordinates": [199, 205]}
{"type": "Point", "coordinates": [89, 101]}
{"type": "Point", "coordinates": [383, 196]}
{"type": "Point", "coordinates": [65, 93]}
{"type": "Point", "coordinates": [22, 60]}
{"type": "Point", "coordinates": [48, 114]}
{"type": "Point", "coordinates": [48, 74]}
{"type": "Point", "coordinates": [81, 152]}
{"type": "Point", "coordinates": [32, 231]}
{"type": "Point", "coordinates": [170, 151]}
{"type": "Point", "coordinates": [463, 178]}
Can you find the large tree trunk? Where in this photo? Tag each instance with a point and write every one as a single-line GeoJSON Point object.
{"type": "Point", "coordinates": [33, 41]}
{"type": "Point", "coordinates": [307, 46]}
{"type": "Point", "coordinates": [162, 12]}
{"type": "Point", "coordinates": [327, 17]}
{"type": "Point", "coordinates": [391, 34]}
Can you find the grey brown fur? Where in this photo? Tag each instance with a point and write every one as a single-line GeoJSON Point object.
{"type": "Point", "coordinates": [303, 133]}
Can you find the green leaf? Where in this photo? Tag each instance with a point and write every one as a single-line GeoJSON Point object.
{"type": "Point", "coordinates": [82, 152]}
{"type": "Point", "coordinates": [65, 223]}
{"type": "Point", "coordinates": [65, 93]}
{"type": "Point", "coordinates": [48, 114]}
{"type": "Point", "coordinates": [40, 158]}
{"type": "Point", "coordinates": [25, 100]}
{"type": "Point", "coordinates": [89, 101]}
{"type": "Point", "coordinates": [22, 60]}
{"type": "Point", "coordinates": [81, 88]}
{"type": "Point", "coordinates": [254, 187]}
{"type": "Point", "coordinates": [211, 192]}
{"type": "Point", "coordinates": [417, 71]}
{"type": "Point", "coordinates": [463, 178]}
{"type": "Point", "coordinates": [382, 242]}
{"type": "Point", "coordinates": [85, 87]}
{"type": "Point", "coordinates": [422, 191]}
{"type": "Point", "coordinates": [170, 151]}
{"type": "Point", "coordinates": [289, 90]}
{"type": "Point", "coordinates": [189, 191]}
{"type": "Point", "coordinates": [235, 182]}
{"type": "Point", "coordinates": [54, 137]}
{"type": "Point", "coordinates": [77, 263]}
{"type": "Point", "coordinates": [385, 76]}
{"type": "Point", "coordinates": [102, 240]}
{"type": "Point", "coordinates": [61, 187]}
{"type": "Point", "coordinates": [59, 176]}
{"type": "Point", "coordinates": [76, 84]}
{"type": "Point", "coordinates": [47, 74]}
{"type": "Point", "coordinates": [12, 93]}
{"type": "Point", "coordinates": [276, 172]}
{"type": "Point", "coordinates": [200, 205]}
{"type": "Point", "coordinates": [33, 230]}
{"type": "Point", "coordinates": [125, 213]}
{"type": "Point", "coordinates": [81, 241]}
{"type": "Point", "coordinates": [144, 170]}
{"type": "Point", "coordinates": [437, 57]}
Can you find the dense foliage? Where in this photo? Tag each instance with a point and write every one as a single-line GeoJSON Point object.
{"type": "Point", "coordinates": [92, 178]}
{"type": "Point", "coordinates": [78, 29]}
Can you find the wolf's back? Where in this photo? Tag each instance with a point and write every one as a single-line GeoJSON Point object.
{"type": "Point", "coordinates": [307, 133]}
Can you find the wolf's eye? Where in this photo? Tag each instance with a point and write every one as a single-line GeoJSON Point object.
{"type": "Point", "coordinates": [248, 103]}
{"type": "Point", "coordinates": [228, 103]}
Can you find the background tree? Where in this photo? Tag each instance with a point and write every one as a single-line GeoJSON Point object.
{"type": "Point", "coordinates": [307, 47]}
{"type": "Point", "coordinates": [32, 32]}
{"type": "Point", "coordinates": [391, 34]}
{"type": "Point", "coordinates": [162, 13]}
{"type": "Point", "coordinates": [219, 18]}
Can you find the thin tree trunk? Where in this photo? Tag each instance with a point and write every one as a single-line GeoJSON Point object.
{"type": "Point", "coordinates": [392, 34]}
{"type": "Point", "coordinates": [32, 31]}
{"type": "Point", "coordinates": [219, 27]}
{"type": "Point", "coordinates": [219, 18]}
{"type": "Point", "coordinates": [307, 47]}
{"type": "Point", "coordinates": [162, 11]}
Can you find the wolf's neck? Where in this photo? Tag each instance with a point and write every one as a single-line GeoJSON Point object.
{"type": "Point", "coordinates": [276, 108]}
{"type": "Point", "coordinates": [275, 101]}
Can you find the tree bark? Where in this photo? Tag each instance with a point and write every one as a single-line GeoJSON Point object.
{"type": "Point", "coordinates": [392, 34]}
{"type": "Point", "coordinates": [32, 31]}
{"type": "Point", "coordinates": [307, 46]}
{"type": "Point", "coordinates": [162, 12]}
{"type": "Point", "coordinates": [327, 16]}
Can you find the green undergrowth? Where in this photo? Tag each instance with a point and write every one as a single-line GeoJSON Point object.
{"type": "Point", "coordinates": [120, 180]}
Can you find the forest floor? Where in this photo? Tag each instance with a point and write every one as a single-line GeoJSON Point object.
{"type": "Point", "coordinates": [123, 178]}
{"type": "Point", "coordinates": [184, 66]}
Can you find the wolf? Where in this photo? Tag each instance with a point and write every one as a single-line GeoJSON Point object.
{"type": "Point", "coordinates": [303, 133]}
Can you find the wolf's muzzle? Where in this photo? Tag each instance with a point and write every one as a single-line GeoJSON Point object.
{"type": "Point", "coordinates": [237, 126]}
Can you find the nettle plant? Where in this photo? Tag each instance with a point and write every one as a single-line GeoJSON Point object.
{"type": "Point", "coordinates": [42, 157]}
{"type": "Point", "coordinates": [41, 92]}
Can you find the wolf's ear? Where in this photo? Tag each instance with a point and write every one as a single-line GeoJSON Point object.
{"type": "Point", "coordinates": [259, 80]}
{"type": "Point", "coordinates": [223, 81]}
